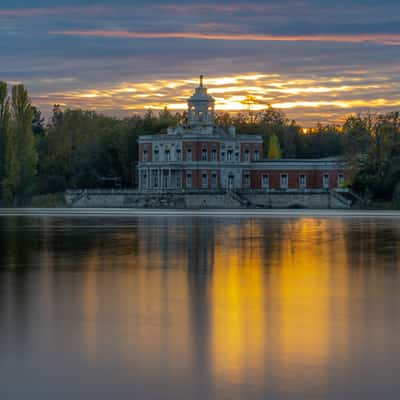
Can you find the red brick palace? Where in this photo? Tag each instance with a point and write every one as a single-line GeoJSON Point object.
{"type": "Point", "coordinates": [201, 156]}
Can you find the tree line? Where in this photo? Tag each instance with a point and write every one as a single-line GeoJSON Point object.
{"type": "Point", "coordinates": [84, 149]}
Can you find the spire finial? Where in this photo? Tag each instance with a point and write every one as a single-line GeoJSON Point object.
{"type": "Point", "coordinates": [201, 80]}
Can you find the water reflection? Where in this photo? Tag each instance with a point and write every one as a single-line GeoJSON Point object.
{"type": "Point", "coordinates": [200, 307]}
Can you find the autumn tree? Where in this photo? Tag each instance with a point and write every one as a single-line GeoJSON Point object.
{"type": "Point", "coordinates": [274, 148]}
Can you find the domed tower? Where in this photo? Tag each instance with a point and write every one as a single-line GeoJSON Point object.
{"type": "Point", "coordinates": [201, 108]}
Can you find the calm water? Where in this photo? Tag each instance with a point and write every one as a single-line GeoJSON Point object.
{"type": "Point", "coordinates": [199, 308]}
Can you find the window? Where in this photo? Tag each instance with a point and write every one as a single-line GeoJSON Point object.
{"type": "Point", "coordinates": [178, 181]}
{"type": "Point", "coordinates": [156, 154]}
{"type": "Point", "coordinates": [237, 156]}
{"type": "Point", "coordinates": [284, 181]}
{"type": "Point", "coordinates": [230, 152]}
{"type": "Point", "coordinates": [155, 179]}
{"type": "Point", "coordinates": [189, 155]}
{"type": "Point", "coordinates": [144, 155]}
{"type": "Point", "coordinates": [247, 155]}
{"type": "Point", "coordinates": [302, 181]}
{"type": "Point", "coordinates": [325, 181]}
{"type": "Point", "coordinates": [256, 155]}
{"type": "Point", "coordinates": [167, 155]}
{"type": "Point", "coordinates": [223, 156]}
{"type": "Point", "coordinates": [204, 180]}
{"type": "Point", "coordinates": [189, 180]}
{"type": "Point", "coordinates": [214, 155]}
{"type": "Point", "coordinates": [340, 180]}
{"type": "Point", "coordinates": [246, 180]}
{"type": "Point", "coordinates": [204, 155]}
{"type": "Point", "coordinates": [165, 180]}
{"type": "Point", "coordinates": [231, 181]}
{"type": "Point", "coordinates": [214, 180]}
{"type": "Point", "coordinates": [265, 181]}
{"type": "Point", "coordinates": [144, 179]}
{"type": "Point", "coordinates": [178, 154]}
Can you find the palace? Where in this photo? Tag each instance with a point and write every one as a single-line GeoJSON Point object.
{"type": "Point", "coordinates": [202, 156]}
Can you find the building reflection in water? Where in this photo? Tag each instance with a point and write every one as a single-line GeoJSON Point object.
{"type": "Point", "coordinates": [187, 307]}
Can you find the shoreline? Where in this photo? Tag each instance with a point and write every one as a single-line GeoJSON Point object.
{"type": "Point", "coordinates": [217, 213]}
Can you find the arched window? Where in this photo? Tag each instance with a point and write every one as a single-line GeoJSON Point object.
{"type": "Point", "coordinates": [204, 154]}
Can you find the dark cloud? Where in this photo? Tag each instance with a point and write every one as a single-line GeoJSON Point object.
{"type": "Point", "coordinates": [366, 32]}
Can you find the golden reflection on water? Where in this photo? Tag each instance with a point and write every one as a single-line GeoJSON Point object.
{"type": "Point", "coordinates": [304, 279]}
{"type": "Point", "coordinates": [282, 304]}
{"type": "Point", "coordinates": [237, 298]}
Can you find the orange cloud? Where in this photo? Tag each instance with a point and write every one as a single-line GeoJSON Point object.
{"type": "Point", "coordinates": [387, 39]}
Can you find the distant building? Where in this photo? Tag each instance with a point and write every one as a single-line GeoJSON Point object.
{"type": "Point", "coordinates": [201, 156]}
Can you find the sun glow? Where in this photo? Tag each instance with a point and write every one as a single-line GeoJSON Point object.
{"type": "Point", "coordinates": [335, 95]}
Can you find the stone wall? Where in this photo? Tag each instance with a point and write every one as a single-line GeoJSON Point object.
{"type": "Point", "coordinates": [134, 199]}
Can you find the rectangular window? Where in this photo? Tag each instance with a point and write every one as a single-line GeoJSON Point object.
{"type": "Point", "coordinates": [189, 155]}
{"type": "Point", "coordinates": [167, 155]}
{"type": "Point", "coordinates": [325, 181]}
{"type": "Point", "coordinates": [156, 155]}
{"type": "Point", "coordinates": [145, 155]}
{"type": "Point", "coordinates": [302, 181]}
{"type": "Point", "coordinates": [246, 180]}
{"type": "Point", "coordinates": [178, 154]}
{"type": "Point", "coordinates": [214, 155]}
{"type": "Point", "coordinates": [144, 179]}
{"type": "Point", "coordinates": [265, 181]}
{"type": "Point", "coordinates": [155, 179]}
{"type": "Point", "coordinates": [204, 180]}
{"type": "Point", "coordinates": [256, 155]}
{"type": "Point", "coordinates": [223, 156]}
{"type": "Point", "coordinates": [230, 153]}
{"type": "Point", "coordinates": [214, 180]}
{"type": "Point", "coordinates": [204, 155]}
{"type": "Point", "coordinates": [189, 180]}
{"type": "Point", "coordinates": [237, 157]}
{"type": "Point", "coordinates": [247, 155]}
{"type": "Point", "coordinates": [178, 181]}
{"type": "Point", "coordinates": [340, 180]}
{"type": "Point", "coordinates": [284, 181]}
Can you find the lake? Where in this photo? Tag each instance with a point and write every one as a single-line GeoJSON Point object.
{"type": "Point", "coordinates": [199, 307]}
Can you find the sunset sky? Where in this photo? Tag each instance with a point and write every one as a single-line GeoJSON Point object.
{"type": "Point", "coordinates": [318, 60]}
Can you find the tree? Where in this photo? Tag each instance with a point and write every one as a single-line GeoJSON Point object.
{"type": "Point", "coordinates": [274, 148]}
{"type": "Point", "coordinates": [22, 156]}
{"type": "Point", "coordinates": [4, 129]}
{"type": "Point", "coordinates": [38, 128]}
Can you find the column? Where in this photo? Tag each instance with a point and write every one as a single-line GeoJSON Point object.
{"type": "Point", "coordinates": [169, 178]}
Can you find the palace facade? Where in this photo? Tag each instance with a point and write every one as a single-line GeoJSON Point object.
{"type": "Point", "coordinates": [202, 156]}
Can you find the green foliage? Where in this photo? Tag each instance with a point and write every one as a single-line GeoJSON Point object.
{"type": "Point", "coordinates": [18, 153]}
{"type": "Point", "coordinates": [25, 152]}
{"type": "Point", "coordinates": [375, 164]}
{"type": "Point", "coordinates": [274, 148]}
{"type": "Point", "coordinates": [4, 127]}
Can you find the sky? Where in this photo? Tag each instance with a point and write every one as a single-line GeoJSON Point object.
{"type": "Point", "coordinates": [318, 60]}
